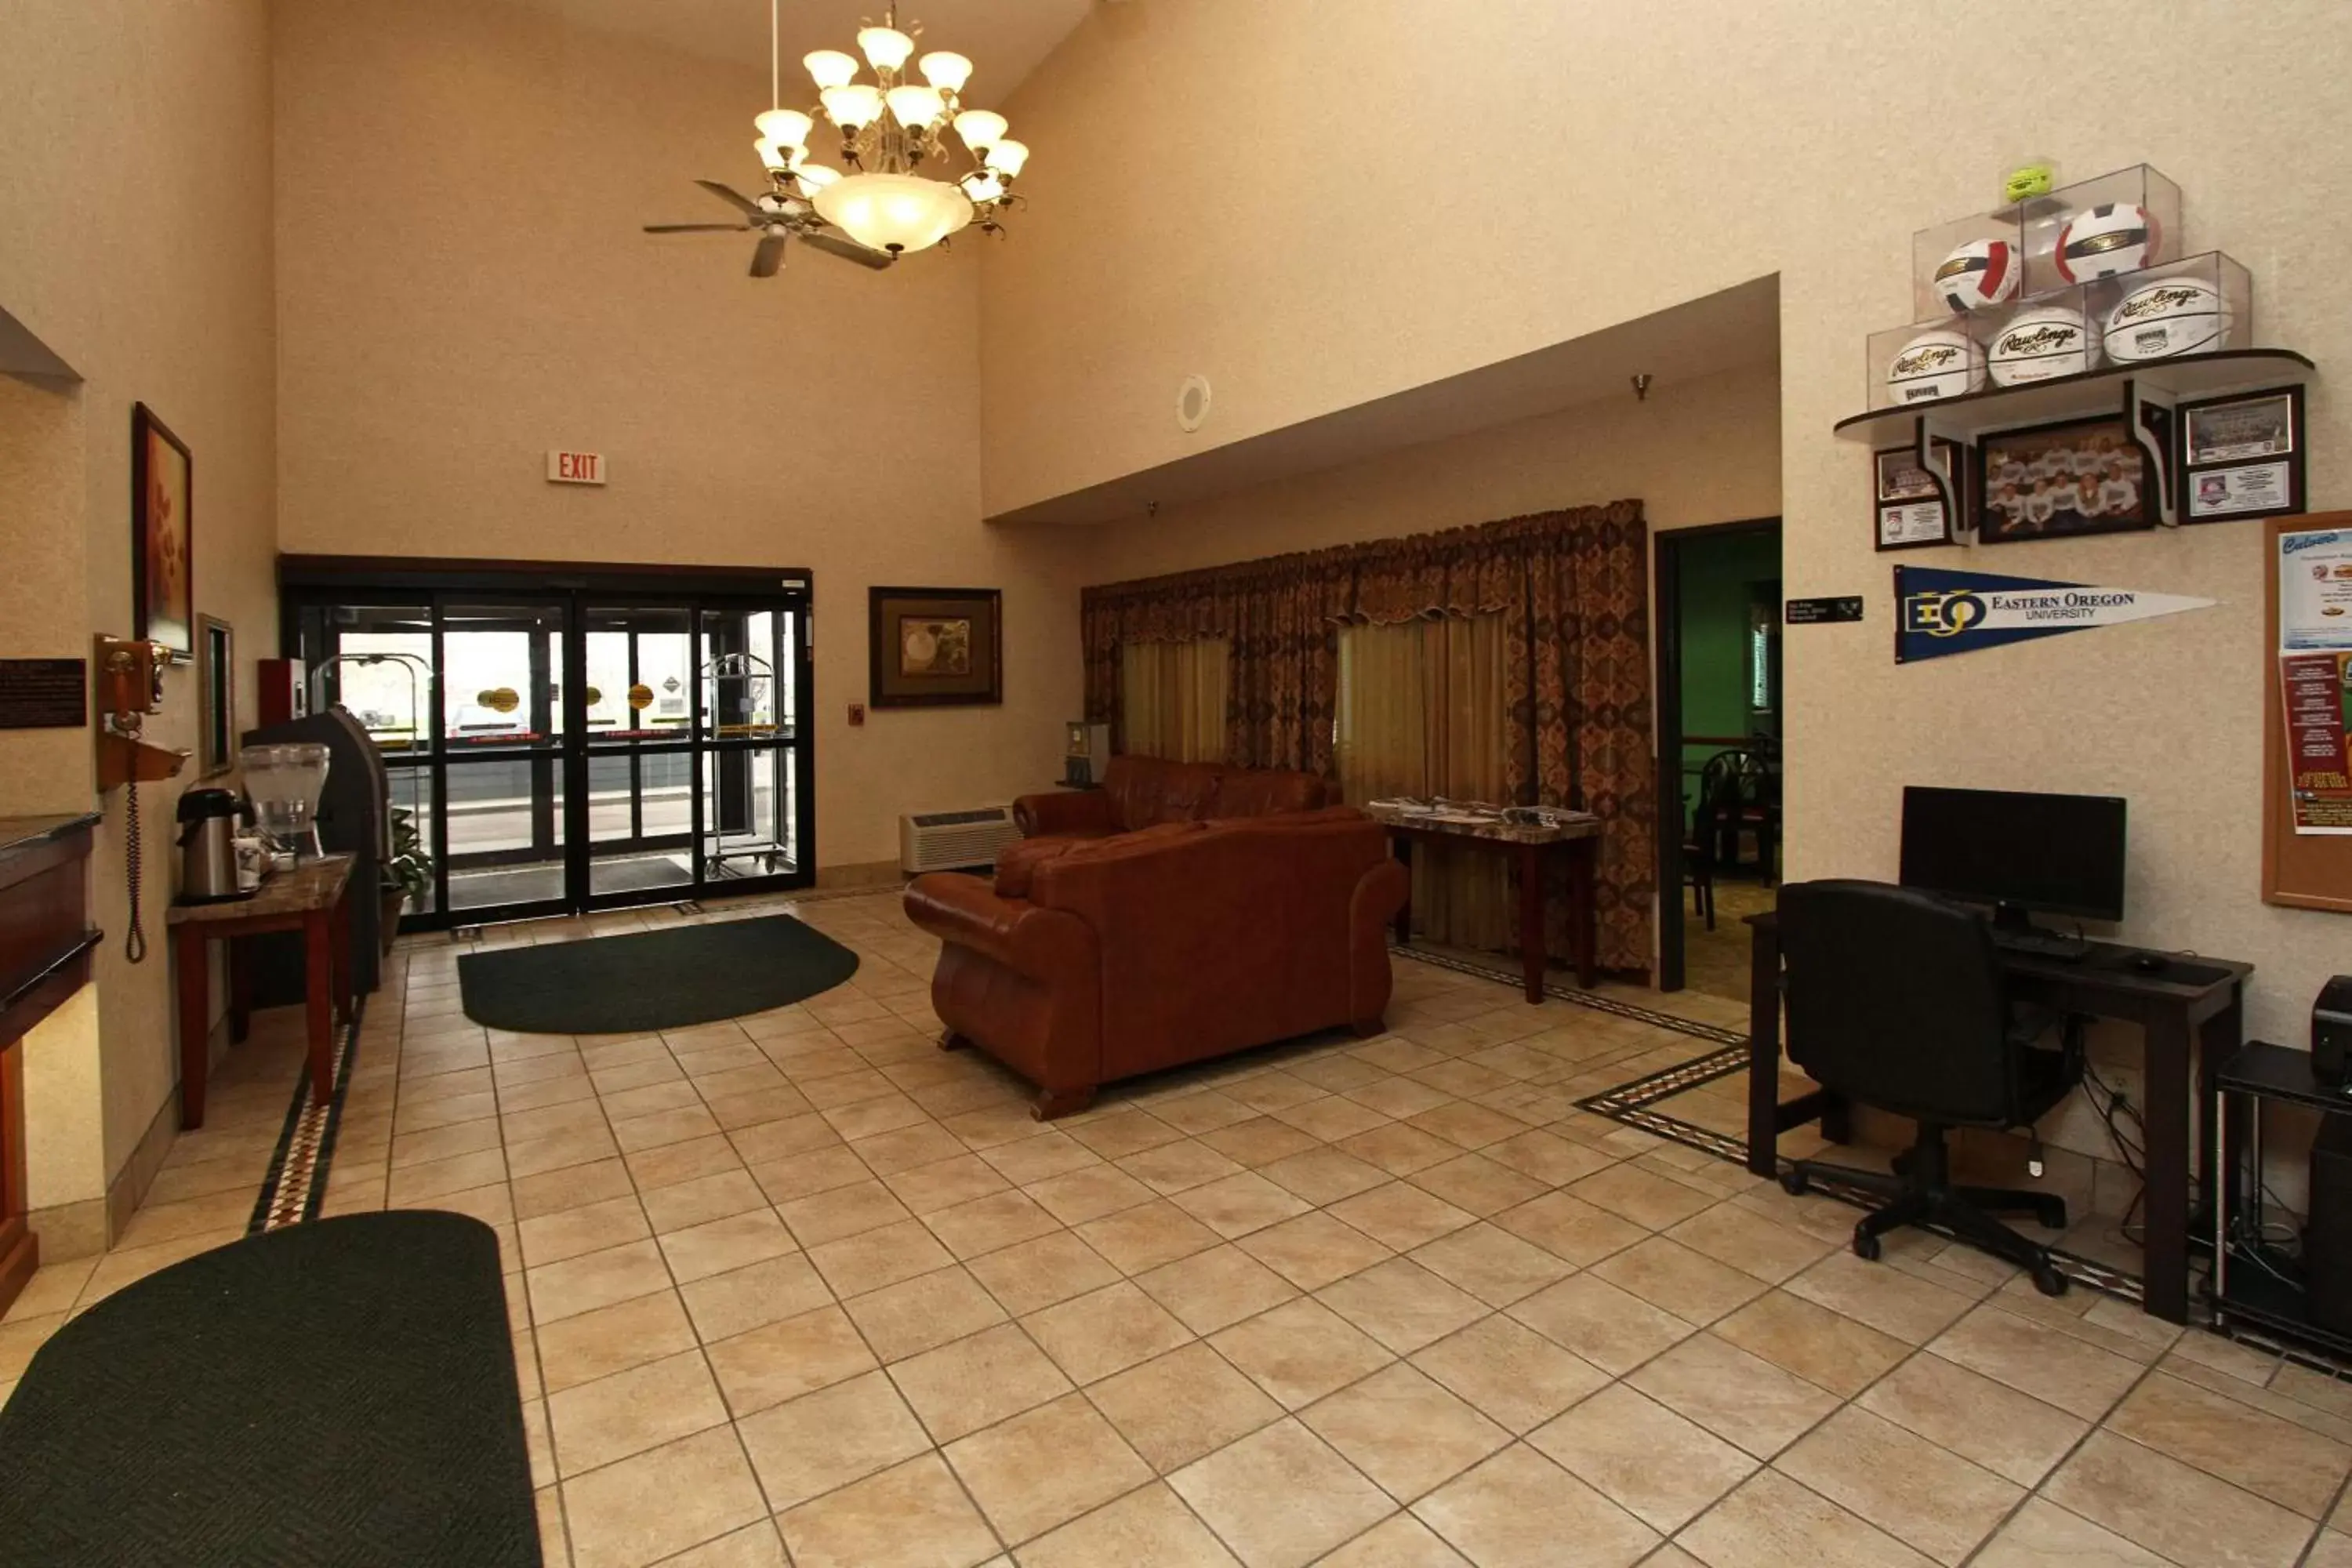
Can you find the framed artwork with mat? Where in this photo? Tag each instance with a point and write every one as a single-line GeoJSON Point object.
{"type": "Point", "coordinates": [162, 559]}
{"type": "Point", "coordinates": [934, 647]}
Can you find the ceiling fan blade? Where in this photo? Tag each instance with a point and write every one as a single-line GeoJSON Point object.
{"type": "Point", "coordinates": [848, 250]}
{"type": "Point", "coordinates": [734, 198]}
{"type": "Point", "coordinates": [694, 228]}
{"type": "Point", "coordinates": [769, 257]}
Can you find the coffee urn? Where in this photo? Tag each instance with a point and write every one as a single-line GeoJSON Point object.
{"type": "Point", "coordinates": [208, 846]}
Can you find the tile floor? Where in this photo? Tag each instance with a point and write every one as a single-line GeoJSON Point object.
{"type": "Point", "coordinates": [803, 1289]}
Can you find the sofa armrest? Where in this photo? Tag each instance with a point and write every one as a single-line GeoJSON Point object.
{"type": "Point", "coordinates": [1030, 940]}
{"type": "Point", "coordinates": [1071, 811]}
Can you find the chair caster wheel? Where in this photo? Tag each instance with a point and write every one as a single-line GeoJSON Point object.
{"type": "Point", "coordinates": [1866, 1247]}
{"type": "Point", "coordinates": [1795, 1183]}
{"type": "Point", "coordinates": [2051, 1213]}
{"type": "Point", "coordinates": [2048, 1281]}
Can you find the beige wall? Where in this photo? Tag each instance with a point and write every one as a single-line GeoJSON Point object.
{"type": "Point", "coordinates": [1702, 451]}
{"type": "Point", "coordinates": [134, 151]}
{"type": "Point", "coordinates": [463, 286]}
{"type": "Point", "coordinates": [1573, 166]}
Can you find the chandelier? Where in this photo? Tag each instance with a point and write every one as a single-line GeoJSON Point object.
{"type": "Point", "coordinates": [895, 190]}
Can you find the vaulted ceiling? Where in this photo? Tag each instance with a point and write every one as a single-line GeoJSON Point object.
{"type": "Point", "coordinates": [1006, 38]}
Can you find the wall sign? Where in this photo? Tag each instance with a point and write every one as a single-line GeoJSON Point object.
{"type": "Point", "coordinates": [1940, 612]}
{"type": "Point", "coordinates": [44, 694]}
{"type": "Point", "coordinates": [575, 468]}
{"type": "Point", "coordinates": [1820, 612]}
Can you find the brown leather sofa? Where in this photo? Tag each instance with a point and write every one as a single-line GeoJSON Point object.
{"type": "Point", "coordinates": [1144, 792]}
{"type": "Point", "coordinates": [1090, 960]}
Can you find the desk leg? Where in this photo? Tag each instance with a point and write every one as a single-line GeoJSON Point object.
{"type": "Point", "coordinates": [240, 990]}
{"type": "Point", "coordinates": [2167, 1093]}
{"type": "Point", "coordinates": [319, 999]}
{"type": "Point", "coordinates": [1764, 1051]}
{"type": "Point", "coordinates": [1531, 919]}
{"type": "Point", "coordinates": [190, 953]}
{"type": "Point", "coordinates": [2218, 1039]}
{"type": "Point", "coordinates": [346, 1003]}
{"type": "Point", "coordinates": [1403, 847]}
{"type": "Point", "coordinates": [1584, 916]}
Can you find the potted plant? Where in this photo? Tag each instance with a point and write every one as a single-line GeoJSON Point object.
{"type": "Point", "coordinates": [409, 872]}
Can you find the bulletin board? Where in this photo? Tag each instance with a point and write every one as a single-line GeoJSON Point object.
{"type": "Point", "coordinates": [2307, 692]}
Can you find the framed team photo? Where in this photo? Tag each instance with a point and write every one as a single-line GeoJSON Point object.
{"type": "Point", "coordinates": [2055, 481]}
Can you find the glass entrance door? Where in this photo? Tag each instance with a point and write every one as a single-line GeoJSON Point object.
{"type": "Point", "coordinates": [581, 750]}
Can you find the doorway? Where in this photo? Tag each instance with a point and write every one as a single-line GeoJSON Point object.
{"type": "Point", "coordinates": [1720, 752]}
{"type": "Point", "coordinates": [566, 739]}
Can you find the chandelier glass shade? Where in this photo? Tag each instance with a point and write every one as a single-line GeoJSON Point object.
{"type": "Point", "coordinates": [904, 183]}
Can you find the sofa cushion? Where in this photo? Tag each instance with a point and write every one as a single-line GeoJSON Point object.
{"type": "Point", "coordinates": [1016, 864]}
{"type": "Point", "coordinates": [1145, 791]}
{"type": "Point", "coordinates": [1261, 791]}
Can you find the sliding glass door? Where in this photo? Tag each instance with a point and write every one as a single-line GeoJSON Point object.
{"type": "Point", "coordinates": [624, 741]}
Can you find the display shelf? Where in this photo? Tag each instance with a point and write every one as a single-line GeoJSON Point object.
{"type": "Point", "coordinates": [2254, 1283]}
{"type": "Point", "coordinates": [2255, 1295]}
{"type": "Point", "coordinates": [2087, 396]}
{"type": "Point", "coordinates": [2280, 1072]}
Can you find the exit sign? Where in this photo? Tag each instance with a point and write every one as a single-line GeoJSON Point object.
{"type": "Point", "coordinates": [575, 468]}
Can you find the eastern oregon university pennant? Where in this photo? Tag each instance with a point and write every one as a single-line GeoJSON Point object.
{"type": "Point", "coordinates": [1940, 612]}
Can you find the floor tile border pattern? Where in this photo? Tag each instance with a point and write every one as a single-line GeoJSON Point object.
{"type": "Point", "coordinates": [1559, 993]}
{"type": "Point", "coordinates": [296, 1184]}
{"type": "Point", "coordinates": [1629, 1103]}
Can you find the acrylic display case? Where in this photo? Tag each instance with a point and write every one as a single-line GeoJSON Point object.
{"type": "Point", "coordinates": [2032, 228]}
{"type": "Point", "coordinates": [2197, 304]}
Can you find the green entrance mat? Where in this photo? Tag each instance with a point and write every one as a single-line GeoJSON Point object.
{"type": "Point", "coordinates": [650, 981]}
{"type": "Point", "coordinates": [339, 1393]}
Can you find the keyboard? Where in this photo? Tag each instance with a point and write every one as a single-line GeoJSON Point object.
{"type": "Point", "coordinates": [2043, 944]}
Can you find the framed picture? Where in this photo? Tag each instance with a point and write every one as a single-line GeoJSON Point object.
{"type": "Point", "coordinates": [216, 696]}
{"type": "Point", "coordinates": [163, 563]}
{"type": "Point", "coordinates": [1910, 510]}
{"type": "Point", "coordinates": [2083, 476]}
{"type": "Point", "coordinates": [2242, 456]}
{"type": "Point", "coordinates": [934, 647]}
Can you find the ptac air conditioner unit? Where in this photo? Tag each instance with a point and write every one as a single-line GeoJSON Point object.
{"type": "Point", "coordinates": [954, 840]}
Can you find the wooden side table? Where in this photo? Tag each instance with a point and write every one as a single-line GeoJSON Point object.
{"type": "Point", "coordinates": [45, 947]}
{"type": "Point", "coordinates": [1529, 848]}
{"type": "Point", "coordinates": [311, 899]}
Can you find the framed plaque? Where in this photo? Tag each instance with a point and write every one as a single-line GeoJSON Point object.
{"type": "Point", "coordinates": [2053, 481]}
{"type": "Point", "coordinates": [1910, 510]}
{"type": "Point", "coordinates": [2241, 455]}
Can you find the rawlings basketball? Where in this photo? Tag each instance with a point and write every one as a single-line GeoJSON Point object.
{"type": "Point", "coordinates": [2175, 316]}
{"type": "Point", "coordinates": [2039, 343]}
{"type": "Point", "coordinates": [1980, 273]}
{"type": "Point", "coordinates": [2115, 237]}
{"type": "Point", "coordinates": [1939, 364]}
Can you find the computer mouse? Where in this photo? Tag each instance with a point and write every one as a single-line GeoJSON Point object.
{"type": "Point", "coordinates": [2151, 962]}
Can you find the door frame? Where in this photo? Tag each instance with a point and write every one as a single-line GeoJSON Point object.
{"type": "Point", "coordinates": [1666, 701]}
{"type": "Point", "coordinates": [305, 580]}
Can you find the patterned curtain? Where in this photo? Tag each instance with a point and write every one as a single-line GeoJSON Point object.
{"type": "Point", "coordinates": [1572, 587]}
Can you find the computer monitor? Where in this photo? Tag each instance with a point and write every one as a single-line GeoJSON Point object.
{"type": "Point", "coordinates": [2021, 853]}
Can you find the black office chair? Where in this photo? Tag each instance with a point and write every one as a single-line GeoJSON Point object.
{"type": "Point", "coordinates": [1896, 1000]}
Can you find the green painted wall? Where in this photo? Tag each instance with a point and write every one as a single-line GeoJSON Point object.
{"type": "Point", "coordinates": [1719, 572]}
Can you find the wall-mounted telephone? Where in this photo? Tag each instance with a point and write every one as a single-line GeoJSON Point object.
{"type": "Point", "coordinates": [130, 681]}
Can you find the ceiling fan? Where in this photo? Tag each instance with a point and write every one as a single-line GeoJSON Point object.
{"type": "Point", "coordinates": [776, 219]}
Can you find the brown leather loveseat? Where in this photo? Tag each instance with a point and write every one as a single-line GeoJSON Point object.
{"type": "Point", "coordinates": [1091, 960]}
{"type": "Point", "coordinates": [1144, 792]}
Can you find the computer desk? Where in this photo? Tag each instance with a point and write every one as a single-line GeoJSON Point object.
{"type": "Point", "coordinates": [2190, 1012]}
